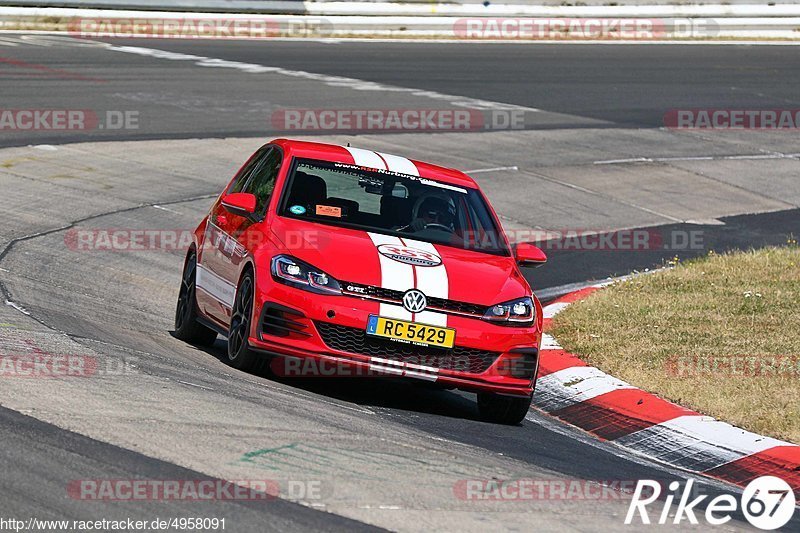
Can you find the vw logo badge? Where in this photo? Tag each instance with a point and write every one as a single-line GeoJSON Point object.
{"type": "Point", "coordinates": [414, 301]}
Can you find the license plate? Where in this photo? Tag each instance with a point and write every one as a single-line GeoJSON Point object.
{"type": "Point", "coordinates": [410, 332]}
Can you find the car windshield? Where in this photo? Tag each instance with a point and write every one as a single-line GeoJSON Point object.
{"type": "Point", "coordinates": [391, 203]}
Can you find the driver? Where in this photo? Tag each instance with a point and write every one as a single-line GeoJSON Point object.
{"type": "Point", "coordinates": [434, 212]}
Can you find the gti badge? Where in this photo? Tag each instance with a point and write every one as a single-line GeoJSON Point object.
{"type": "Point", "coordinates": [414, 301]}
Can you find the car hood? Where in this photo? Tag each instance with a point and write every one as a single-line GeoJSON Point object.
{"type": "Point", "coordinates": [357, 256]}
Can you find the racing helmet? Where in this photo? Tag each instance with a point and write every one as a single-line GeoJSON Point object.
{"type": "Point", "coordinates": [436, 205]}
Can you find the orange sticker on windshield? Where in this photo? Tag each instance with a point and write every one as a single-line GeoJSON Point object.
{"type": "Point", "coordinates": [329, 211]}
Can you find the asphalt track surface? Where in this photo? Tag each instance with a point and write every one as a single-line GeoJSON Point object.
{"type": "Point", "coordinates": [182, 414]}
{"type": "Point", "coordinates": [42, 450]}
{"type": "Point", "coordinates": [581, 85]}
{"type": "Point", "coordinates": [626, 85]}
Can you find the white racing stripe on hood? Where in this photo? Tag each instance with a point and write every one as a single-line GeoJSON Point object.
{"type": "Point", "coordinates": [366, 158]}
{"type": "Point", "coordinates": [432, 281]}
{"type": "Point", "coordinates": [394, 275]}
{"type": "Point", "coordinates": [370, 159]}
{"type": "Point", "coordinates": [395, 163]}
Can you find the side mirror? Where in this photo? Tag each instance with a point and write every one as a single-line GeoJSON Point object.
{"type": "Point", "coordinates": [529, 255]}
{"type": "Point", "coordinates": [240, 203]}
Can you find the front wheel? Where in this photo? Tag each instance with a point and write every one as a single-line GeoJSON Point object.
{"type": "Point", "coordinates": [240, 355]}
{"type": "Point", "coordinates": [187, 328]}
{"type": "Point", "coordinates": [510, 410]}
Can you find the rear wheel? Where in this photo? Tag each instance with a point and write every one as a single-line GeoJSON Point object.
{"type": "Point", "coordinates": [187, 328]}
{"type": "Point", "coordinates": [239, 353]}
{"type": "Point", "coordinates": [500, 409]}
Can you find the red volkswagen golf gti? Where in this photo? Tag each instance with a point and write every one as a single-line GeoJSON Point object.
{"type": "Point", "coordinates": [369, 262]}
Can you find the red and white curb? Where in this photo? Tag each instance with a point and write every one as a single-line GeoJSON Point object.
{"type": "Point", "coordinates": [613, 410]}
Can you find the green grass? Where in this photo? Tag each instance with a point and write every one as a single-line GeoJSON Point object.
{"type": "Point", "coordinates": [720, 335]}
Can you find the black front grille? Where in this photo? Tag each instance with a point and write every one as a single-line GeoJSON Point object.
{"type": "Point", "coordinates": [356, 341]}
{"type": "Point", "coordinates": [397, 296]}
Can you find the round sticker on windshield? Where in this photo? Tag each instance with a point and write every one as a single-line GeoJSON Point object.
{"type": "Point", "coordinates": [297, 210]}
{"type": "Point", "coordinates": [409, 256]}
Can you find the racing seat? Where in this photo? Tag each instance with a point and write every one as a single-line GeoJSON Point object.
{"type": "Point", "coordinates": [307, 190]}
{"type": "Point", "coordinates": [396, 212]}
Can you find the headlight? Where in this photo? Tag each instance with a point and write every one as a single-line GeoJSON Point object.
{"type": "Point", "coordinates": [291, 271]}
{"type": "Point", "coordinates": [519, 312]}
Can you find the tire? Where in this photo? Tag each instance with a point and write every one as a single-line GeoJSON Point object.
{"type": "Point", "coordinates": [187, 328]}
{"type": "Point", "coordinates": [240, 356]}
{"type": "Point", "coordinates": [509, 410]}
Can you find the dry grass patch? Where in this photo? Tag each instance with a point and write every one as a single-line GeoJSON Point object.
{"type": "Point", "coordinates": [720, 335]}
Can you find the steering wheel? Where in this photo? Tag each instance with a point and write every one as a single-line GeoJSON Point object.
{"type": "Point", "coordinates": [439, 226]}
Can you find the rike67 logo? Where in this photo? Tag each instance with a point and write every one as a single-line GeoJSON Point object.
{"type": "Point", "coordinates": [767, 502]}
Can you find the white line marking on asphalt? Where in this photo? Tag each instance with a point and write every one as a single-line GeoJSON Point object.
{"type": "Point", "coordinates": [763, 156]}
{"type": "Point", "coordinates": [603, 195]}
{"type": "Point", "coordinates": [476, 42]}
{"type": "Point", "coordinates": [382, 507]}
{"type": "Point", "coordinates": [194, 385]}
{"type": "Point", "coordinates": [630, 160]}
{"type": "Point", "coordinates": [154, 206]}
{"type": "Point", "coordinates": [448, 441]}
{"type": "Point", "coordinates": [706, 222]}
{"type": "Point", "coordinates": [776, 155]}
{"type": "Point", "coordinates": [332, 81]}
{"type": "Point", "coordinates": [18, 308]}
{"type": "Point", "coordinates": [494, 169]}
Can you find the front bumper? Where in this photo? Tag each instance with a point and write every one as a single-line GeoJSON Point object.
{"type": "Point", "coordinates": [330, 330]}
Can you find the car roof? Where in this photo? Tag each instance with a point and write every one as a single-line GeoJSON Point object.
{"type": "Point", "coordinates": [339, 154]}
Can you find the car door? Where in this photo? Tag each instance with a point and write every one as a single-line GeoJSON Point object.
{"type": "Point", "coordinates": [230, 238]}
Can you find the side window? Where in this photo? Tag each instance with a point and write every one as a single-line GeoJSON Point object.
{"type": "Point", "coordinates": [263, 177]}
{"type": "Point", "coordinates": [244, 175]}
